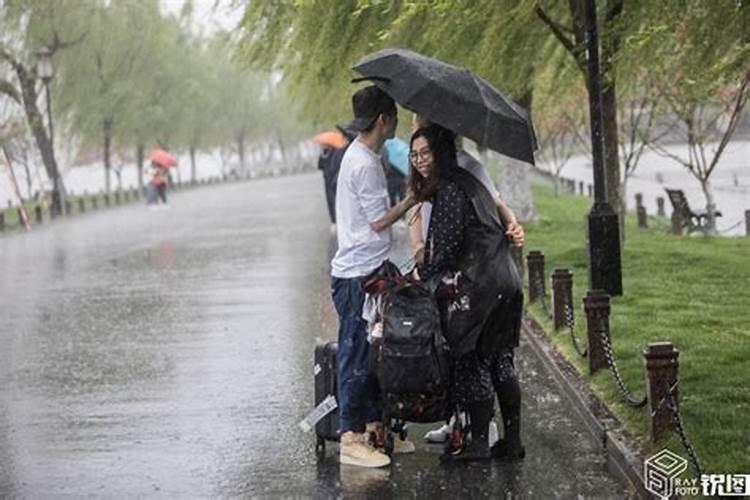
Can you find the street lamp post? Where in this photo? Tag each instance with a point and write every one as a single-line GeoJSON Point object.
{"type": "Point", "coordinates": [45, 71]}
{"type": "Point", "coordinates": [605, 268]}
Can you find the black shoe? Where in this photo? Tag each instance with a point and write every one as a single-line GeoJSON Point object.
{"type": "Point", "coordinates": [472, 452]}
{"type": "Point", "coordinates": [502, 451]}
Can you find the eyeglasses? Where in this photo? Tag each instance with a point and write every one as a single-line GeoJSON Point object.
{"type": "Point", "coordinates": [424, 154]}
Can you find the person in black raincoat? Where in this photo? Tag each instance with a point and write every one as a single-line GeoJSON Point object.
{"type": "Point", "coordinates": [329, 162]}
{"type": "Point", "coordinates": [468, 263]}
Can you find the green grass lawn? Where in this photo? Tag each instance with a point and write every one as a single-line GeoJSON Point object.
{"type": "Point", "coordinates": [691, 291]}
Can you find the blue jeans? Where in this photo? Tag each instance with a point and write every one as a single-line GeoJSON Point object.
{"type": "Point", "coordinates": [358, 391]}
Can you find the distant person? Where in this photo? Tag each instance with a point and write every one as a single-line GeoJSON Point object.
{"type": "Point", "coordinates": [158, 182]}
{"type": "Point", "coordinates": [329, 181]}
{"type": "Point", "coordinates": [394, 179]}
{"type": "Point", "coordinates": [329, 162]}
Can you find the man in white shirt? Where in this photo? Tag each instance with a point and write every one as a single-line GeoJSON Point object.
{"type": "Point", "coordinates": [364, 242]}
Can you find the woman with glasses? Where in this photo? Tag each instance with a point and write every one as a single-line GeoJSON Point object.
{"type": "Point", "coordinates": [467, 262]}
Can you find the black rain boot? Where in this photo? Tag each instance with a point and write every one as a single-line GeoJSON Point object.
{"type": "Point", "coordinates": [480, 415]}
{"type": "Point", "coordinates": [509, 448]}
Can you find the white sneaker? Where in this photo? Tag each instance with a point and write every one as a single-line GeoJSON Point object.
{"type": "Point", "coordinates": [355, 450]}
{"type": "Point", "coordinates": [492, 436]}
{"type": "Point", "coordinates": [403, 446]}
{"type": "Point", "coordinates": [440, 435]}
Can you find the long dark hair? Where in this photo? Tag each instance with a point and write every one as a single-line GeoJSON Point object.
{"type": "Point", "coordinates": [442, 143]}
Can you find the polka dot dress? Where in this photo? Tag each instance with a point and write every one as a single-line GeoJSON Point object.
{"type": "Point", "coordinates": [452, 213]}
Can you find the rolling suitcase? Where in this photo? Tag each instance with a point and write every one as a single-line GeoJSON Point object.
{"type": "Point", "coordinates": [327, 428]}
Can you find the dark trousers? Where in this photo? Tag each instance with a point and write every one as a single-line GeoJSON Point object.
{"type": "Point", "coordinates": [358, 390]}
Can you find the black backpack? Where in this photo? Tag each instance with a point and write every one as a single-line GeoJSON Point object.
{"type": "Point", "coordinates": [412, 356]}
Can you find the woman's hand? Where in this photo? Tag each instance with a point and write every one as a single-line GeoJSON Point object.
{"type": "Point", "coordinates": [516, 234]}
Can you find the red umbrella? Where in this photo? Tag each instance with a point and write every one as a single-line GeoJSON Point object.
{"type": "Point", "coordinates": [330, 139]}
{"type": "Point", "coordinates": [162, 158]}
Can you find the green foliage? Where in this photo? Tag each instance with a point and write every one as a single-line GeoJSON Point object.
{"type": "Point", "coordinates": [693, 48]}
{"type": "Point", "coordinates": [147, 76]}
{"type": "Point", "coordinates": [316, 43]}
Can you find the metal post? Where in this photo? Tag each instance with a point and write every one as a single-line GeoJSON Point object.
{"type": "Point", "coordinates": [2, 221]}
{"type": "Point", "coordinates": [580, 188]}
{"type": "Point", "coordinates": [38, 214]}
{"type": "Point", "coordinates": [638, 200]}
{"type": "Point", "coordinates": [535, 263]}
{"type": "Point", "coordinates": [605, 268]}
{"type": "Point", "coordinates": [562, 295]}
{"type": "Point", "coordinates": [642, 216]}
{"type": "Point", "coordinates": [677, 223]}
{"type": "Point", "coordinates": [590, 191]}
{"type": "Point", "coordinates": [747, 222]}
{"type": "Point", "coordinates": [596, 307]}
{"type": "Point", "coordinates": [81, 204]}
{"type": "Point", "coordinates": [660, 206]}
{"type": "Point", "coordinates": [661, 379]}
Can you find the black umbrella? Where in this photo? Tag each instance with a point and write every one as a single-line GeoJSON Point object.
{"type": "Point", "coordinates": [454, 98]}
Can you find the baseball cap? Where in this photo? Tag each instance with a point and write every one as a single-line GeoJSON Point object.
{"type": "Point", "coordinates": [367, 104]}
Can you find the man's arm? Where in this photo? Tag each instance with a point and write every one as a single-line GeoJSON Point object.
{"type": "Point", "coordinates": [393, 214]}
{"type": "Point", "coordinates": [513, 229]}
{"type": "Point", "coordinates": [507, 217]}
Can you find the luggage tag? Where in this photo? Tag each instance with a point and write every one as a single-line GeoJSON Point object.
{"type": "Point", "coordinates": [324, 408]}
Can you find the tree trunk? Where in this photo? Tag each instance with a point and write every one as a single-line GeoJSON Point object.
{"type": "Point", "coordinates": [139, 155]}
{"type": "Point", "coordinates": [107, 135]}
{"type": "Point", "coordinates": [281, 148]}
{"type": "Point", "coordinates": [36, 123]}
{"type": "Point", "coordinates": [611, 157]}
{"type": "Point", "coordinates": [514, 184]}
{"type": "Point", "coordinates": [241, 151]}
{"type": "Point", "coordinates": [193, 171]}
{"type": "Point", "coordinates": [710, 205]}
{"type": "Point", "coordinates": [29, 180]}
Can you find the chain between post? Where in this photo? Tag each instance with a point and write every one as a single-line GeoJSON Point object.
{"type": "Point", "coordinates": [669, 400]}
{"type": "Point", "coordinates": [542, 298]}
{"type": "Point", "coordinates": [570, 322]}
{"type": "Point", "coordinates": [628, 396]}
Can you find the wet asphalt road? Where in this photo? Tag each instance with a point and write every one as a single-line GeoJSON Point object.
{"type": "Point", "coordinates": [169, 353]}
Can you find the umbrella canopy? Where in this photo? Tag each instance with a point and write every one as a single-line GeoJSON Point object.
{"type": "Point", "coordinates": [330, 139]}
{"type": "Point", "coordinates": [162, 158]}
{"type": "Point", "coordinates": [398, 155]}
{"type": "Point", "coordinates": [454, 98]}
